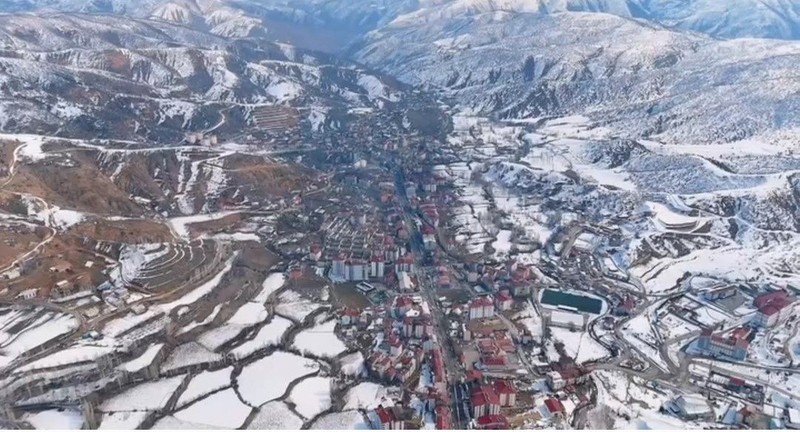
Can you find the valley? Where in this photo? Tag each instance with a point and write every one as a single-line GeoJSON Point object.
{"type": "Point", "coordinates": [413, 215]}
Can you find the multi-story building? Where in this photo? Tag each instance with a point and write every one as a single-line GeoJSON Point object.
{"type": "Point", "coordinates": [481, 307]}
{"type": "Point", "coordinates": [772, 308]}
{"type": "Point", "coordinates": [484, 401]}
{"type": "Point", "coordinates": [734, 346]}
{"type": "Point", "coordinates": [377, 266]}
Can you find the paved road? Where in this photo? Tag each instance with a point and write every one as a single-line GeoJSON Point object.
{"type": "Point", "coordinates": [427, 290]}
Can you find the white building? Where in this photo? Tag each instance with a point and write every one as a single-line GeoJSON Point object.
{"type": "Point", "coordinates": [404, 281]}
{"type": "Point", "coordinates": [481, 307]}
{"type": "Point", "coordinates": [690, 407]}
{"type": "Point", "coordinates": [377, 267]}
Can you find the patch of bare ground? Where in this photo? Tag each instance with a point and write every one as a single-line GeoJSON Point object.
{"type": "Point", "coordinates": [129, 231]}
{"type": "Point", "coordinates": [74, 183]}
{"type": "Point", "coordinates": [16, 239]}
{"type": "Point", "coordinates": [347, 295]}
{"type": "Point", "coordinates": [135, 175]}
{"type": "Point", "coordinates": [58, 262]}
{"type": "Point", "coordinates": [307, 284]}
{"type": "Point", "coordinates": [266, 178]}
{"type": "Point", "coordinates": [6, 157]}
{"type": "Point", "coordinates": [214, 226]}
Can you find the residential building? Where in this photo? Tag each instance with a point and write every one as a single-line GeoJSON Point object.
{"type": "Point", "coordinates": [504, 300]}
{"type": "Point", "coordinates": [720, 293]}
{"type": "Point", "coordinates": [555, 407]}
{"type": "Point", "coordinates": [443, 417]}
{"type": "Point", "coordinates": [492, 422]}
{"type": "Point", "coordinates": [404, 281]}
{"type": "Point", "coordinates": [390, 418]}
{"type": "Point", "coordinates": [339, 268]}
{"type": "Point", "coordinates": [485, 401]}
{"type": "Point", "coordinates": [734, 346]}
{"type": "Point", "coordinates": [481, 307]}
{"type": "Point", "coordinates": [377, 266]}
{"type": "Point", "coordinates": [690, 407]}
{"type": "Point", "coordinates": [507, 392]}
{"type": "Point", "coordinates": [357, 270]}
{"type": "Point", "coordinates": [772, 308]}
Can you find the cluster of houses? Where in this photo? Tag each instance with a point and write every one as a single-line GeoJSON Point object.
{"type": "Point", "coordinates": [363, 245]}
{"type": "Point", "coordinates": [404, 348]}
{"type": "Point", "coordinates": [513, 277]}
{"type": "Point", "coordinates": [771, 308]}
{"type": "Point", "coordinates": [486, 401]}
{"type": "Point", "coordinates": [741, 405]}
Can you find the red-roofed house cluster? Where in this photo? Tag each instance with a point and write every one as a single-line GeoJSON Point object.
{"type": "Point", "coordinates": [488, 399]}
{"type": "Point", "coordinates": [512, 276]}
{"type": "Point", "coordinates": [404, 340]}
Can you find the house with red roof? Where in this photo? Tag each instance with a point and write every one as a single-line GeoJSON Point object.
{"type": "Point", "coordinates": [773, 308]}
{"type": "Point", "coordinates": [555, 407]}
{"type": "Point", "coordinates": [349, 316]}
{"type": "Point", "coordinates": [504, 300]}
{"type": "Point", "coordinates": [507, 392]}
{"type": "Point", "coordinates": [734, 346]}
{"type": "Point", "coordinates": [395, 346]}
{"type": "Point", "coordinates": [492, 422]}
{"type": "Point", "coordinates": [388, 418]}
{"type": "Point", "coordinates": [481, 307]}
{"type": "Point", "coordinates": [485, 401]}
{"type": "Point", "coordinates": [491, 363]}
{"type": "Point", "coordinates": [443, 417]}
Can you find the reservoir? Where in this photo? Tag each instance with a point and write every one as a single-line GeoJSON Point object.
{"type": "Point", "coordinates": [572, 301]}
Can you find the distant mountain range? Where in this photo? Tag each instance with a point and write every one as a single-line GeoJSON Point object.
{"type": "Point", "coordinates": [115, 77]}
{"type": "Point", "coordinates": [688, 71]}
{"type": "Point", "coordinates": [777, 19]}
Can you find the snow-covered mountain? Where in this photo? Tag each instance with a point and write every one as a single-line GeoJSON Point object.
{"type": "Point", "coordinates": [105, 76]}
{"type": "Point", "coordinates": [643, 79]}
{"type": "Point", "coordinates": [777, 19]}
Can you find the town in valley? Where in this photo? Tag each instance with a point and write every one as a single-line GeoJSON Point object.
{"type": "Point", "coordinates": [246, 234]}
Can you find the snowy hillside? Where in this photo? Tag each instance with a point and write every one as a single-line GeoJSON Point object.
{"type": "Point", "coordinates": [644, 80]}
{"type": "Point", "coordinates": [778, 19]}
{"type": "Point", "coordinates": [156, 79]}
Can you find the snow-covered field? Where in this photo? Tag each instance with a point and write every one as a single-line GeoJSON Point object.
{"type": "Point", "coordinates": [204, 383]}
{"type": "Point", "coordinates": [311, 396]}
{"type": "Point", "coordinates": [123, 420]}
{"type": "Point", "coordinates": [367, 396]}
{"type": "Point", "coordinates": [55, 419]}
{"type": "Point", "coordinates": [267, 336]}
{"type": "Point", "coordinates": [74, 354]}
{"type": "Point", "coordinates": [272, 283]}
{"type": "Point", "coordinates": [632, 398]}
{"type": "Point", "coordinates": [530, 319]}
{"type": "Point", "coordinates": [151, 395]}
{"type": "Point", "coordinates": [275, 416]}
{"type": "Point", "coordinates": [188, 354]}
{"type": "Point", "coordinates": [345, 420]}
{"type": "Point", "coordinates": [172, 423]}
{"type": "Point", "coordinates": [579, 345]}
{"type": "Point", "coordinates": [353, 364]}
{"type": "Point", "coordinates": [294, 306]}
{"type": "Point", "coordinates": [269, 378]}
{"type": "Point", "coordinates": [38, 327]}
{"type": "Point", "coordinates": [320, 341]}
{"type": "Point", "coordinates": [222, 410]}
{"type": "Point", "coordinates": [144, 360]}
